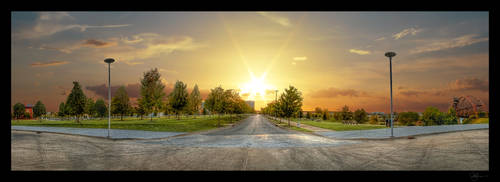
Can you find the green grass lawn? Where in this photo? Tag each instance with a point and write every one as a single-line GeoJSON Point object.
{"type": "Point", "coordinates": [338, 126]}
{"type": "Point", "coordinates": [158, 124]}
{"type": "Point", "coordinates": [285, 125]}
{"type": "Point", "coordinates": [480, 121]}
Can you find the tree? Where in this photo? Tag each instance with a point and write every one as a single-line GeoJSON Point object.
{"type": "Point", "coordinates": [432, 116]}
{"type": "Point", "coordinates": [407, 118]}
{"type": "Point", "coordinates": [178, 99]}
{"type": "Point", "coordinates": [290, 102]}
{"type": "Point", "coordinates": [451, 116]}
{"type": "Point", "coordinates": [120, 103]}
{"type": "Point", "coordinates": [360, 115]}
{"type": "Point", "coordinates": [195, 100]}
{"type": "Point", "coordinates": [90, 107]}
{"type": "Point", "coordinates": [215, 101]}
{"type": "Point", "coordinates": [308, 115]}
{"type": "Point", "coordinates": [140, 110]}
{"type": "Point", "coordinates": [300, 114]}
{"type": "Point", "coordinates": [39, 109]}
{"type": "Point", "coordinates": [26, 115]}
{"type": "Point", "coordinates": [345, 114]}
{"type": "Point", "coordinates": [19, 110]}
{"type": "Point", "coordinates": [100, 108]}
{"type": "Point", "coordinates": [204, 111]}
{"type": "Point", "coordinates": [62, 110]}
{"type": "Point", "coordinates": [152, 93]}
{"type": "Point", "coordinates": [374, 119]}
{"type": "Point", "coordinates": [76, 101]}
{"type": "Point", "coordinates": [318, 111]}
{"type": "Point", "coordinates": [337, 116]}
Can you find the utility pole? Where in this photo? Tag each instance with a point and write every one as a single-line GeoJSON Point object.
{"type": "Point", "coordinates": [109, 61]}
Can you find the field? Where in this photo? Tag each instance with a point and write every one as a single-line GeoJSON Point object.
{"type": "Point", "coordinates": [338, 126]}
{"type": "Point", "coordinates": [285, 125]}
{"type": "Point", "coordinates": [184, 124]}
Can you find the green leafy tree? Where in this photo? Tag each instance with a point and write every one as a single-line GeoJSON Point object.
{"type": "Point", "coordinates": [19, 110]}
{"type": "Point", "coordinates": [39, 109]}
{"type": "Point", "coordinates": [76, 101]}
{"type": "Point", "coordinates": [100, 108]}
{"type": "Point", "coordinates": [345, 114]}
{"type": "Point", "coordinates": [432, 116]}
{"type": "Point", "coordinates": [195, 100]}
{"type": "Point", "coordinates": [318, 111]}
{"type": "Point", "coordinates": [451, 116]}
{"type": "Point", "coordinates": [373, 119]}
{"type": "Point", "coordinates": [178, 99]}
{"type": "Point", "coordinates": [407, 118]}
{"type": "Point", "coordinates": [324, 116]}
{"type": "Point", "coordinates": [140, 110]}
{"type": "Point", "coordinates": [62, 110]}
{"type": "Point", "coordinates": [27, 115]}
{"type": "Point", "coordinates": [290, 102]}
{"type": "Point", "coordinates": [120, 103]}
{"type": "Point", "coordinates": [204, 111]}
{"type": "Point", "coordinates": [90, 107]}
{"type": "Point", "coordinates": [215, 101]}
{"type": "Point", "coordinates": [300, 114]}
{"type": "Point", "coordinates": [152, 93]}
{"type": "Point", "coordinates": [360, 115]}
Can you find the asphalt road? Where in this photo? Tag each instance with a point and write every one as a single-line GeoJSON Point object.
{"type": "Point", "coordinates": [255, 144]}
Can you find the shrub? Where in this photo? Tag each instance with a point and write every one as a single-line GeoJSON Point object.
{"type": "Point", "coordinates": [407, 118]}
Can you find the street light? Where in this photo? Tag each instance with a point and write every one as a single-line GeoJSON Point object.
{"type": "Point", "coordinates": [109, 61]}
{"type": "Point", "coordinates": [390, 55]}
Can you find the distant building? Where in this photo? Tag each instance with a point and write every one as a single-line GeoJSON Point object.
{"type": "Point", "coordinates": [251, 103]}
{"type": "Point", "coordinates": [29, 109]}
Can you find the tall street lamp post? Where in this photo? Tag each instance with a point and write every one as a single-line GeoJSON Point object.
{"type": "Point", "coordinates": [109, 61]}
{"type": "Point", "coordinates": [390, 55]}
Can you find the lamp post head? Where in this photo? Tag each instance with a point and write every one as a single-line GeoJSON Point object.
{"type": "Point", "coordinates": [109, 60]}
{"type": "Point", "coordinates": [390, 54]}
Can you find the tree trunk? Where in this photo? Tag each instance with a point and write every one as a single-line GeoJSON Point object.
{"type": "Point", "coordinates": [288, 122]}
{"type": "Point", "coordinates": [121, 117]}
{"type": "Point", "coordinates": [151, 118]}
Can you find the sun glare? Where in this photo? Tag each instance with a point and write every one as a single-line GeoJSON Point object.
{"type": "Point", "coordinates": [255, 87]}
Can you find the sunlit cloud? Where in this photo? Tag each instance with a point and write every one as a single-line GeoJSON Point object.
{"type": "Point", "coordinates": [438, 45]}
{"type": "Point", "coordinates": [276, 19]}
{"type": "Point", "coordinates": [379, 39]}
{"type": "Point", "coordinates": [405, 32]}
{"type": "Point", "coordinates": [49, 23]}
{"type": "Point", "coordinates": [97, 43]}
{"type": "Point", "coordinates": [46, 64]}
{"type": "Point", "coordinates": [335, 92]}
{"type": "Point", "coordinates": [360, 52]}
{"type": "Point", "coordinates": [469, 84]}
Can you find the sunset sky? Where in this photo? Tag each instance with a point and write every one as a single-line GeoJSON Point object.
{"type": "Point", "coordinates": [333, 58]}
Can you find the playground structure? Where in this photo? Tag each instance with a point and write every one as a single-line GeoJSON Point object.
{"type": "Point", "coordinates": [467, 105]}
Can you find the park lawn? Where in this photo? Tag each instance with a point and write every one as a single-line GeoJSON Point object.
{"type": "Point", "coordinates": [284, 124]}
{"type": "Point", "coordinates": [480, 121]}
{"type": "Point", "coordinates": [158, 124]}
{"type": "Point", "coordinates": [338, 126]}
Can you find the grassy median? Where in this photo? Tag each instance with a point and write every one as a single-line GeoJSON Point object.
{"type": "Point", "coordinates": [185, 124]}
{"type": "Point", "coordinates": [338, 126]}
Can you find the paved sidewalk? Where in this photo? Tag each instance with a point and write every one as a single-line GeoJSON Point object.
{"type": "Point", "coordinates": [98, 132]}
{"type": "Point", "coordinates": [400, 131]}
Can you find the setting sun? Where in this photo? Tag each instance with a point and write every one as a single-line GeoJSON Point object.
{"type": "Point", "coordinates": [255, 87]}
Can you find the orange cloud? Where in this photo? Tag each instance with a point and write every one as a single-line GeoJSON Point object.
{"type": "Point", "coordinates": [51, 63]}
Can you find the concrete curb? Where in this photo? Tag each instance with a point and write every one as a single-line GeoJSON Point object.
{"type": "Point", "coordinates": [402, 137]}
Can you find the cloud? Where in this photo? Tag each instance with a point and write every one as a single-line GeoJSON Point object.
{"type": "Point", "coordinates": [84, 43]}
{"type": "Point", "coordinates": [469, 84]}
{"type": "Point", "coordinates": [276, 19]}
{"type": "Point", "coordinates": [335, 92]}
{"type": "Point", "coordinates": [97, 43]}
{"type": "Point", "coordinates": [46, 64]}
{"type": "Point", "coordinates": [133, 90]}
{"type": "Point", "coordinates": [411, 93]}
{"type": "Point", "coordinates": [449, 44]}
{"type": "Point", "coordinates": [360, 52]}
{"type": "Point", "coordinates": [381, 38]}
{"type": "Point", "coordinates": [405, 32]}
{"type": "Point", "coordinates": [49, 23]}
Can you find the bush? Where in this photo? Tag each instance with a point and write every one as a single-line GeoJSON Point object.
{"type": "Point", "coordinates": [419, 123]}
{"type": "Point", "coordinates": [27, 115]}
{"type": "Point", "coordinates": [482, 114]}
{"type": "Point", "coordinates": [407, 118]}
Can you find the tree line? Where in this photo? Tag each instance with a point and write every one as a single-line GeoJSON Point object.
{"type": "Point", "coordinates": [152, 101]}
{"type": "Point", "coordinates": [288, 105]}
